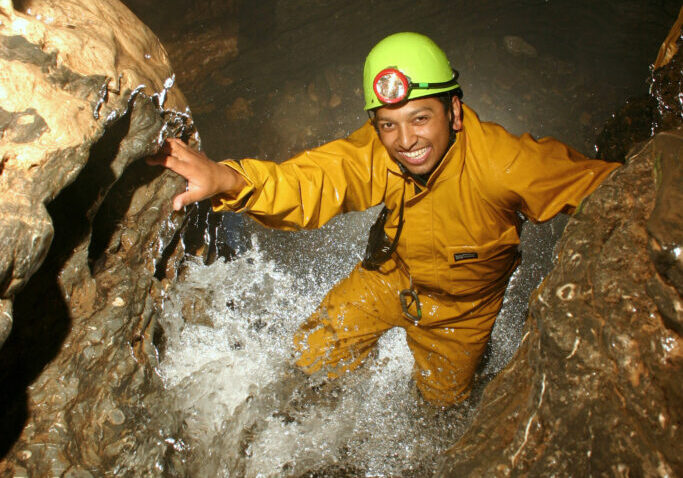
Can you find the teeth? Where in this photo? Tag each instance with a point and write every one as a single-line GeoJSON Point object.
{"type": "Point", "coordinates": [414, 154]}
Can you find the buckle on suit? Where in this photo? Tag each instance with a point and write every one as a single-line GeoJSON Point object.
{"type": "Point", "coordinates": [408, 297]}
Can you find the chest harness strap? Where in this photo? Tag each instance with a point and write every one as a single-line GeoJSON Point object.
{"type": "Point", "coordinates": [380, 248]}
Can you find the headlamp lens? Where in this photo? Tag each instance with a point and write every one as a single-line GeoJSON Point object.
{"type": "Point", "coordinates": [391, 86]}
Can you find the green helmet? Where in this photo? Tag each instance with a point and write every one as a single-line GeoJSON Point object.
{"type": "Point", "coordinates": [405, 66]}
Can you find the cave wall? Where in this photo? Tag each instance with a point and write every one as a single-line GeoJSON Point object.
{"type": "Point", "coordinates": [87, 236]}
{"type": "Point", "coordinates": [89, 244]}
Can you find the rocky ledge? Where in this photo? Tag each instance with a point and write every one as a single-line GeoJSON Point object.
{"type": "Point", "coordinates": [87, 236]}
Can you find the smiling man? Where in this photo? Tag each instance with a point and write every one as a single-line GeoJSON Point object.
{"type": "Point", "coordinates": [414, 134]}
{"type": "Point", "coordinates": [443, 248]}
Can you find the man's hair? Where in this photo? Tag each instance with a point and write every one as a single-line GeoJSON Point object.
{"type": "Point", "coordinates": [446, 99]}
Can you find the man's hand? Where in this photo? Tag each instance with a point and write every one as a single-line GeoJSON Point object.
{"type": "Point", "coordinates": [205, 178]}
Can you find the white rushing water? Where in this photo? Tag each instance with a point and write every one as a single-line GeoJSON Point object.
{"type": "Point", "coordinates": [227, 364]}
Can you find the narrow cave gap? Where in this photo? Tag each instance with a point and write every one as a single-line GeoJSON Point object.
{"type": "Point", "coordinates": [114, 207]}
{"type": "Point", "coordinates": [260, 37]}
{"type": "Point", "coordinates": [98, 178]}
{"type": "Point", "coordinates": [21, 5]}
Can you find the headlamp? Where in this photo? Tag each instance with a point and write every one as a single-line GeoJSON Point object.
{"type": "Point", "coordinates": [391, 86]}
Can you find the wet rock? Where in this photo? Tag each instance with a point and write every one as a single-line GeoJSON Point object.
{"type": "Point", "coordinates": [518, 46]}
{"type": "Point", "coordinates": [77, 473]}
{"type": "Point", "coordinates": [240, 109]}
{"type": "Point", "coordinates": [86, 92]}
{"type": "Point", "coordinates": [666, 235]}
{"type": "Point", "coordinates": [201, 234]}
{"type": "Point", "coordinates": [194, 311]}
{"type": "Point", "coordinates": [5, 319]}
{"type": "Point", "coordinates": [594, 387]}
{"type": "Point", "coordinates": [200, 37]}
{"type": "Point", "coordinates": [641, 117]}
{"type": "Point", "coordinates": [631, 125]}
{"type": "Point", "coordinates": [666, 85]}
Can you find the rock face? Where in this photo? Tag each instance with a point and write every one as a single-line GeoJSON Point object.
{"type": "Point", "coordinates": [660, 110]}
{"type": "Point", "coordinates": [594, 390]}
{"type": "Point", "coordinates": [86, 234]}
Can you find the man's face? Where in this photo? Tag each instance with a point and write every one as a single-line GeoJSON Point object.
{"type": "Point", "coordinates": [416, 133]}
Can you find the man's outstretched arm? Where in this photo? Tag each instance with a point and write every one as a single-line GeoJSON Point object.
{"type": "Point", "coordinates": [205, 178]}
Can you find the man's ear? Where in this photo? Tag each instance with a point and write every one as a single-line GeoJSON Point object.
{"type": "Point", "coordinates": [456, 111]}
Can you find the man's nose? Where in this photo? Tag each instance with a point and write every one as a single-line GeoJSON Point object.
{"type": "Point", "coordinates": [406, 137]}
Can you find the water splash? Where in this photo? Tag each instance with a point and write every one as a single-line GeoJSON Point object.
{"type": "Point", "coordinates": [227, 365]}
{"type": "Point", "coordinates": [247, 410]}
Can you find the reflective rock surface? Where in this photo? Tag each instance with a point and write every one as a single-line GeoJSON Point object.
{"type": "Point", "coordinates": [86, 235]}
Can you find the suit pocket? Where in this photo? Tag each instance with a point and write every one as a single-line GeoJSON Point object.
{"type": "Point", "coordinates": [478, 269]}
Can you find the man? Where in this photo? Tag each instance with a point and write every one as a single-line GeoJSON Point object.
{"type": "Point", "coordinates": [445, 245]}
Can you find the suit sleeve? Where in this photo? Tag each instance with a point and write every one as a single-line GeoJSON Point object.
{"type": "Point", "coordinates": [542, 178]}
{"type": "Point", "coordinates": [309, 189]}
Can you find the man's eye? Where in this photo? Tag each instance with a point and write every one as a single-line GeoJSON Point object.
{"type": "Point", "coordinates": [421, 119]}
{"type": "Point", "coordinates": [387, 125]}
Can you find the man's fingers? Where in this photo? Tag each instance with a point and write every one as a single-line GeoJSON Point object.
{"type": "Point", "coordinates": [172, 145]}
{"type": "Point", "coordinates": [178, 164]}
{"type": "Point", "coordinates": [182, 200]}
{"type": "Point", "coordinates": [158, 159]}
{"type": "Point", "coordinates": [178, 203]}
{"type": "Point", "coordinates": [199, 171]}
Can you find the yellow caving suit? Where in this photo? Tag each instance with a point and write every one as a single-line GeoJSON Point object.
{"type": "Point", "coordinates": [459, 239]}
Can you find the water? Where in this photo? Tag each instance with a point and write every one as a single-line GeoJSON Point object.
{"type": "Point", "coordinates": [227, 355]}
{"type": "Point", "coordinates": [231, 382]}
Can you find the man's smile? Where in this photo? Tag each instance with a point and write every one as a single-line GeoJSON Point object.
{"type": "Point", "coordinates": [416, 157]}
